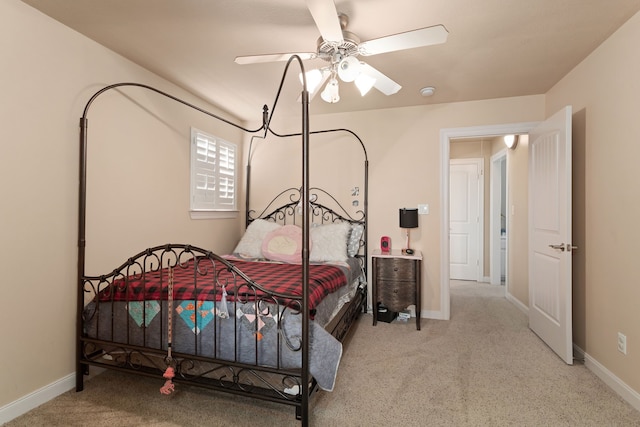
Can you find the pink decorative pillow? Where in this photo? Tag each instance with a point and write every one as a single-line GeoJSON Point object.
{"type": "Point", "coordinates": [283, 244]}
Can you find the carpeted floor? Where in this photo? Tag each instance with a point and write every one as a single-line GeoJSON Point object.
{"type": "Point", "coordinates": [484, 367]}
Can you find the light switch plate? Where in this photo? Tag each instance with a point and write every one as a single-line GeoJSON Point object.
{"type": "Point", "coordinates": [423, 209]}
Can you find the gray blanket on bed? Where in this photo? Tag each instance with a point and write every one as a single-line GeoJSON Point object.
{"type": "Point", "coordinates": [204, 330]}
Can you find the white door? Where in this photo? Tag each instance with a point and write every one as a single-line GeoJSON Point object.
{"type": "Point", "coordinates": [464, 214]}
{"type": "Point", "coordinates": [550, 307]}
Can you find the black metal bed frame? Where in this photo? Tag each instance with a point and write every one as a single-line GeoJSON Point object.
{"type": "Point", "coordinates": [223, 375]}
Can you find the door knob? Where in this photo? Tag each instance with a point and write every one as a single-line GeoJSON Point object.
{"type": "Point", "coordinates": [562, 246]}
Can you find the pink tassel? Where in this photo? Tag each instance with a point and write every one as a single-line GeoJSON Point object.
{"type": "Point", "coordinates": [168, 386]}
{"type": "Point", "coordinates": [169, 373]}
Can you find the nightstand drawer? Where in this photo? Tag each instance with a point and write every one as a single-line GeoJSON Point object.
{"type": "Point", "coordinates": [396, 295]}
{"type": "Point", "coordinates": [396, 269]}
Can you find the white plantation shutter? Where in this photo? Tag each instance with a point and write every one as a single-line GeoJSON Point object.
{"type": "Point", "coordinates": [213, 173]}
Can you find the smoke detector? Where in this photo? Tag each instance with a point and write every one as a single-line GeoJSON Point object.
{"type": "Point", "coordinates": [427, 91]}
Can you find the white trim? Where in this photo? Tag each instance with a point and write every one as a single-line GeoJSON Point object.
{"type": "Point", "coordinates": [611, 380]}
{"type": "Point", "coordinates": [495, 200]}
{"type": "Point", "coordinates": [213, 214]}
{"type": "Point", "coordinates": [36, 398]}
{"type": "Point", "coordinates": [432, 314]}
{"type": "Point", "coordinates": [516, 302]}
{"type": "Point", "coordinates": [445, 301]}
{"type": "Point", "coordinates": [445, 136]}
{"type": "Point", "coordinates": [33, 400]}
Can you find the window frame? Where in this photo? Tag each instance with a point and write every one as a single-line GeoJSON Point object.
{"type": "Point", "coordinates": [222, 149]}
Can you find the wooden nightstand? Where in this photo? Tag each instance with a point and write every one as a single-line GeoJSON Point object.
{"type": "Point", "coordinates": [396, 281]}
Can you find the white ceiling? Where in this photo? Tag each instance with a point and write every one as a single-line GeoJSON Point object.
{"type": "Point", "coordinates": [495, 48]}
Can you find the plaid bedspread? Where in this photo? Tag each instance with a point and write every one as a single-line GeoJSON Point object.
{"type": "Point", "coordinates": [203, 282]}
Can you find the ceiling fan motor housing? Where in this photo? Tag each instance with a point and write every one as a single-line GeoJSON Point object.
{"type": "Point", "coordinates": [333, 52]}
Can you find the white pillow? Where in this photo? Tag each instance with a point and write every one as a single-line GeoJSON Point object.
{"type": "Point", "coordinates": [353, 245]}
{"type": "Point", "coordinates": [250, 246]}
{"type": "Point", "coordinates": [329, 242]}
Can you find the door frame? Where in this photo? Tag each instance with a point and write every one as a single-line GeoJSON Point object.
{"type": "Point", "coordinates": [446, 135]}
{"type": "Point", "coordinates": [495, 202]}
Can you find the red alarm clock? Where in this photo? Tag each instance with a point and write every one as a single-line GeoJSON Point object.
{"type": "Point", "coordinates": [385, 244]}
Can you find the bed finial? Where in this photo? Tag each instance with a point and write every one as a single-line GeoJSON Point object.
{"type": "Point", "coordinates": [265, 116]}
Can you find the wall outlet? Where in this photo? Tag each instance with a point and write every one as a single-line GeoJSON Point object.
{"type": "Point", "coordinates": [423, 209]}
{"type": "Point", "coordinates": [622, 343]}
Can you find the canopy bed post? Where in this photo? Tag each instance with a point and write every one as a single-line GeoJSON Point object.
{"type": "Point", "coordinates": [305, 250]}
{"type": "Point", "coordinates": [247, 186]}
{"type": "Point", "coordinates": [82, 205]}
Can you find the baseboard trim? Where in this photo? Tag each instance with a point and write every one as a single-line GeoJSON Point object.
{"type": "Point", "coordinates": [609, 378]}
{"type": "Point", "coordinates": [43, 395]}
{"type": "Point", "coordinates": [56, 388]}
{"type": "Point", "coordinates": [517, 303]}
{"type": "Point", "coordinates": [36, 398]}
{"type": "Point", "coordinates": [432, 314]}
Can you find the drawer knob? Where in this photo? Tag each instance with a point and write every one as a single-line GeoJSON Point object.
{"type": "Point", "coordinates": [395, 268]}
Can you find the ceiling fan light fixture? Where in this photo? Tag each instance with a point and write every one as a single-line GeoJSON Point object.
{"type": "Point", "coordinates": [364, 83]}
{"type": "Point", "coordinates": [331, 93]}
{"type": "Point", "coordinates": [349, 69]}
{"type": "Point", "coordinates": [314, 79]}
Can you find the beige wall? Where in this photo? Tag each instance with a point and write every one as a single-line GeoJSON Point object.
{"type": "Point", "coordinates": [604, 91]}
{"type": "Point", "coordinates": [48, 73]}
{"type": "Point", "coordinates": [138, 177]}
{"type": "Point", "coordinates": [518, 213]}
{"type": "Point", "coordinates": [404, 153]}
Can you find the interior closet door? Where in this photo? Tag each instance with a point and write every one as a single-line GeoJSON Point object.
{"type": "Point", "coordinates": [550, 305]}
{"type": "Point", "coordinates": [464, 222]}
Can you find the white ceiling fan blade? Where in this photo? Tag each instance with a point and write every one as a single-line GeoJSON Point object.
{"type": "Point", "coordinates": [256, 59]}
{"type": "Point", "coordinates": [326, 18]}
{"type": "Point", "coordinates": [383, 83]}
{"type": "Point", "coordinates": [408, 40]}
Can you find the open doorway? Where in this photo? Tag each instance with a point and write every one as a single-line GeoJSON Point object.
{"type": "Point", "coordinates": [478, 209]}
{"type": "Point", "coordinates": [466, 214]}
{"type": "Point", "coordinates": [446, 138]}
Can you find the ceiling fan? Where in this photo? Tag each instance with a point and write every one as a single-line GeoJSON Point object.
{"type": "Point", "coordinates": [340, 48]}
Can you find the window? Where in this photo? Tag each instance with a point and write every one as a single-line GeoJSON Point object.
{"type": "Point", "coordinates": [213, 173]}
